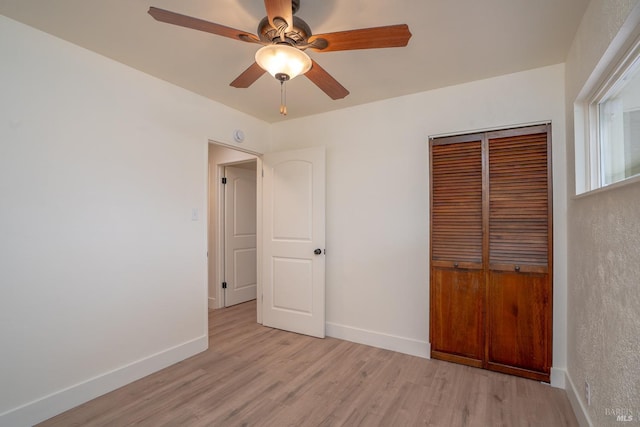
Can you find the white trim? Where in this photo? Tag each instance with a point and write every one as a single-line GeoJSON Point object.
{"type": "Point", "coordinates": [212, 304]}
{"type": "Point", "coordinates": [219, 239]}
{"type": "Point", "coordinates": [557, 378]}
{"type": "Point", "coordinates": [576, 404]}
{"type": "Point", "coordinates": [490, 129]}
{"type": "Point", "coordinates": [376, 339]}
{"type": "Point", "coordinates": [65, 399]}
{"type": "Point", "coordinates": [235, 148]}
{"type": "Point", "coordinates": [259, 234]}
{"type": "Point", "coordinates": [618, 184]}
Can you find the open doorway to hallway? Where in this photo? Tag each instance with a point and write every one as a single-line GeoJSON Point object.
{"type": "Point", "coordinates": [232, 226]}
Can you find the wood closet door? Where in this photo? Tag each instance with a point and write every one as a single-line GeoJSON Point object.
{"type": "Point", "coordinates": [457, 289]}
{"type": "Point", "coordinates": [519, 291]}
{"type": "Point", "coordinates": [491, 251]}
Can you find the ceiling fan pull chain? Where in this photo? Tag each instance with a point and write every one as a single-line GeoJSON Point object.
{"type": "Point", "coordinates": [283, 98]}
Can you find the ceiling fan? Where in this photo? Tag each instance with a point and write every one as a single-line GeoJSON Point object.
{"type": "Point", "coordinates": [285, 37]}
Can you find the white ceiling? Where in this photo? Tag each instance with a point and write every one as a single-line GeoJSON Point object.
{"type": "Point", "coordinates": [454, 41]}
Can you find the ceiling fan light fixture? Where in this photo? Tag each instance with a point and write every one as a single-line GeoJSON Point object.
{"type": "Point", "coordinates": [282, 61]}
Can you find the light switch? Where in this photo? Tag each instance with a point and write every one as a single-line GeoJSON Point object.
{"type": "Point", "coordinates": [194, 214]}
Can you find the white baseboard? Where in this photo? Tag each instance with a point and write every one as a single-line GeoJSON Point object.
{"type": "Point", "coordinates": [558, 378]}
{"type": "Point", "coordinates": [576, 403]}
{"type": "Point", "coordinates": [62, 400]}
{"type": "Point", "coordinates": [380, 340]}
{"type": "Point", "coordinates": [212, 303]}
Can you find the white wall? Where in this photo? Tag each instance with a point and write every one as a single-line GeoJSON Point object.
{"type": "Point", "coordinates": [603, 253]}
{"type": "Point", "coordinates": [377, 199]}
{"type": "Point", "coordinates": [103, 274]}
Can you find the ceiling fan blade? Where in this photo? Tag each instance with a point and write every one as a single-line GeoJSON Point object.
{"type": "Point", "coordinates": [248, 76]}
{"type": "Point", "coordinates": [279, 9]}
{"type": "Point", "coordinates": [326, 82]}
{"type": "Point", "coordinates": [364, 38]}
{"type": "Point", "coordinates": [202, 25]}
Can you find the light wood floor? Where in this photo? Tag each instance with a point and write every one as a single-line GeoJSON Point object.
{"type": "Point", "coordinates": [256, 376]}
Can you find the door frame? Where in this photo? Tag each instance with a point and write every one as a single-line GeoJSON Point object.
{"type": "Point", "coordinates": [215, 219]}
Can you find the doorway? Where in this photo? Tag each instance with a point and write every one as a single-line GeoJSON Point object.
{"type": "Point", "coordinates": [220, 158]}
{"type": "Point", "coordinates": [295, 181]}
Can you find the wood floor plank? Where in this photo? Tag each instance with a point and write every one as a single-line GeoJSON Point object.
{"type": "Point", "coordinates": [256, 376]}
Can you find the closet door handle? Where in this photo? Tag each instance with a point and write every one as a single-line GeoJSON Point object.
{"type": "Point", "coordinates": [317, 251]}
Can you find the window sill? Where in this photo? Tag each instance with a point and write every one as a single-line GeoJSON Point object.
{"type": "Point", "coordinates": [606, 188]}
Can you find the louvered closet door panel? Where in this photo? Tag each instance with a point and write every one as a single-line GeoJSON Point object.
{"type": "Point", "coordinates": [519, 203]}
{"type": "Point", "coordinates": [457, 278]}
{"type": "Point", "coordinates": [456, 203]}
{"type": "Point", "coordinates": [519, 290]}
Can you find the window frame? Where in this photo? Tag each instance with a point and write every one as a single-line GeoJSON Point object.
{"type": "Point", "coordinates": [589, 160]}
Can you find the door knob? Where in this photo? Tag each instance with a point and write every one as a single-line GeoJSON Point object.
{"type": "Point", "coordinates": [317, 251]}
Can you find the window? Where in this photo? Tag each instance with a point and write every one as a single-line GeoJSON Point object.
{"type": "Point", "coordinates": [618, 127]}
{"type": "Point", "coordinates": [607, 122]}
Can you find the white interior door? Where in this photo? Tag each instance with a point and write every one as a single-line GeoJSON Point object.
{"type": "Point", "coordinates": [294, 239]}
{"type": "Point", "coordinates": [239, 235]}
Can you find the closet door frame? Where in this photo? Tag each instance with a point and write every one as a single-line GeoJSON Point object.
{"type": "Point", "coordinates": [437, 266]}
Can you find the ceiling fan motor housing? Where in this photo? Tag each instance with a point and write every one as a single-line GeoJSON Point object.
{"type": "Point", "coordinates": [295, 5]}
{"type": "Point", "coordinates": [297, 37]}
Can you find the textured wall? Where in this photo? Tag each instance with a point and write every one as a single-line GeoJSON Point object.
{"type": "Point", "coordinates": [604, 246]}
{"type": "Point", "coordinates": [604, 300]}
